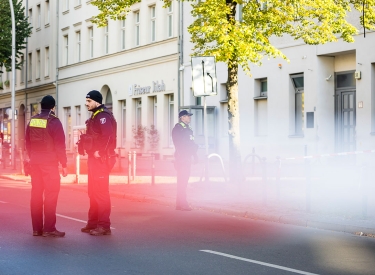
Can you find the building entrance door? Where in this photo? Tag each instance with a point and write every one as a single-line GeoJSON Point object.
{"type": "Point", "coordinates": [345, 115]}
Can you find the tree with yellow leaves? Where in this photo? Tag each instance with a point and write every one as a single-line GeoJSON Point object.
{"type": "Point", "coordinates": [245, 40]}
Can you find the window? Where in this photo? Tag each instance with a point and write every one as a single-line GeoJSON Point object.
{"type": "Point", "coordinates": [137, 28]}
{"type": "Point", "coordinates": [37, 64]}
{"type": "Point", "coordinates": [30, 67]}
{"type": "Point", "coordinates": [78, 53]}
{"type": "Point", "coordinates": [299, 103]}
{"type": "Point", "coordinates": [46, 61]}
{"type": "Point", "coordinates": [155, 110]}
{"type": "Point", "coordinates": [78, 115]}
{"type": "Point", "coordinates": [78, 2]}
{"type": "Point", "coordinates": [123, 123]}
{"type": "Point", "coordinates": [66, 50]}
{"type": "Point", "coordinates": [122, 34]}
{"type": "Point", "coordinates": [39, 23]}
{"type": "Point", "coordinates": [31, 17]}
{"type": "Point", "coordinates": [170, 117]}
{"type": "Point", "coordinates": [153, 23]}
{"type": "Point", "coordinates": [106, 39]}
{"type": "Point", "coordinates": [263, 87]}
{"type": "Point", "coordinates": [66, 5]}
{"type": "Point", "coordinates": [170, 20]}
{"type": "Point", "coordinates": [34, 109]}
{"type": "Point", "coordinates": [68, 126]}
{"type": "Point", "coordinates": [138, 112]}
{"type": "Point", "coordinates": [22, 69]}
{"type": "Point", "coordinates": [91, 42]}
{"type": "Point", "coordinates": [239, 12]}
{"type": "Point", "coordinates": [46, 13]}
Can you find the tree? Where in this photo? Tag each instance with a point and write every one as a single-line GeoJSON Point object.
{"type": "Point", "coordinates": [239, 42]}
{"type": "Point", "coordinates": [23, 30]}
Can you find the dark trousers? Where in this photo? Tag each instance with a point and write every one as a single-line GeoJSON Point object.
{"type": "Point", "coordinates": [183, 175]}
{"type": "Point", "coordinates": [45, 182]}
{"type": "Point", "coordinates": [98, 190]}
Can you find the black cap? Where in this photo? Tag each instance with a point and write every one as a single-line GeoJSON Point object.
{"type": "Point", "coordinates": [48, 102]}
{"type": "Point", "coordinates": [95, 95]}
{"type": "Point", "coordinates": [184, 113]}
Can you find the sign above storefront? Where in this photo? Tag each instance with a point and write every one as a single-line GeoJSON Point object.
{"type": "Point", "coordinates": [141, 90]}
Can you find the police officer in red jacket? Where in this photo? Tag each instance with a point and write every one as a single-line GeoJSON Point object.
{"type": "Point", "coordinates": [99, 143]}
{"type": "Point", "coordinates": [45, 145]}
{"type": "Point", "coordinates": [185, 150]}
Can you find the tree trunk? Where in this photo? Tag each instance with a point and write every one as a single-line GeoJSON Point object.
{"type": "Point", "coordinates": [234, 125]}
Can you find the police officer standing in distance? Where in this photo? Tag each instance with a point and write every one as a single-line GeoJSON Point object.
{"type": "Point", "coordinates": [99, 143]}
{"type": "Point", "coordinates": [185, 150]}
{"type": "Point", "coordinates": [45, 145]}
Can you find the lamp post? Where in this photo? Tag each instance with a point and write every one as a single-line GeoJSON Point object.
{"type": "Point", "coordinates": [13, 84]}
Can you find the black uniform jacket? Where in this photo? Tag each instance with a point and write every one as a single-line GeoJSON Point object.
{"type": "Point", "coordinates": [183, 140]}
{"type": "Point", "coordinates": [57, 138]}
{"type": "Point", "coordinates": [101, 126]}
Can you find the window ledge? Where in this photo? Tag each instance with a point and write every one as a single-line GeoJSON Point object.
{"type": "Point", "coordinates": [296, 136]}
{"type": "Point", "coordinates": [88, 2]}
{"type": "Point", "coordinates": [37, 29]}
{"type": "Point", "coordinates": [78, 7]}
{"type": "Point", "coordinates": [224, 101]}
{"type": "Point", "coordinates": [65, 12]}
{"type": "Point", "coordinates": [29, 81]}
{"type": "Point", "coordinates": [37, 79]}
{"type": "Point", "coordinates": [46, 77]}
{"type": "Point", "coordinates": [260, 97]}
{"type": "Point", "coordinates": [46, 25]}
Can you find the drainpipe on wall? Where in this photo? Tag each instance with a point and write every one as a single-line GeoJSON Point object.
{"type": "Point", "coordinates": [180, 55]}
{"type": "Point", "coordinates": [57, 57]}
{"type": "Point", "coordinates": [26, 60]}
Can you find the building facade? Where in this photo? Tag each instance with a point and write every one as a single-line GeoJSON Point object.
{"type": "Point", "coordinates": [38, 74]}
{"type": "Point", "coordinates": [321, 101]}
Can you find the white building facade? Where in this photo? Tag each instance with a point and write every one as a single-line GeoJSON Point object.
{"type": "Point", "coordinates": [38, 74]}
{"type": "Point", "coordinates": [322, 101]}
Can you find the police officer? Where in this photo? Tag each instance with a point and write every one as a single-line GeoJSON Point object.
{"type": "Point", "coordinates": [99, 143]}
{"type": "Point", "coordinates": [45, 145]}
{"type": "Point", "coordinates": [185, 150]}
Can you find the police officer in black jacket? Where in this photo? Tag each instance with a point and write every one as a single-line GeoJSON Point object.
{"type": "Point", "coordinates": [185, 150]}
{"type": "Point", "coordinates": [99, 143]}
{"type": "Point", "coordinates": [45, 145]}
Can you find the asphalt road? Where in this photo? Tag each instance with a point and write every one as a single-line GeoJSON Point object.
{"type": "Point", "coordinates": [156, 239]}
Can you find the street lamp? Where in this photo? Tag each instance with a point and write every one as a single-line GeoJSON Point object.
{"type": "Point", "coordinates": [12, 140]}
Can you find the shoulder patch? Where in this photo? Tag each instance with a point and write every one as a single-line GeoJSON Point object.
{"type": "Point", "coordinates": [38, 123]}
{"type": "Point", "coordinates": [103, 120]}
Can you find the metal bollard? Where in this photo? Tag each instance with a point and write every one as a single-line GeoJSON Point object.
{"type": "Point", "coordinates": [264, 178]}
{"type": "Point", "coordinates": [134, 164]}
{"type": "Point", "coordinates": [119, 158]}
{"type": "Point", "coordinates": [21, 162]}
{"type": "Point", "coordinates": [278, 175]}
{"type": "Point", "coordinates": [77, 159]}
{"type": "Point", "coordinates": [129, 166]}
{"type": "Point", "coordinates": [308, 185]}
{"type": "Point", "coordinates": [152, 169]}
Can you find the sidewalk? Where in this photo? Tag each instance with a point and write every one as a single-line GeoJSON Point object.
{"type": "Point", "coordinates": [249, 200]}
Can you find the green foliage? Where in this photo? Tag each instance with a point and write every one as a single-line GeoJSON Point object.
{"type": "Point", "coordinates": [153, 137]}
{"type": "Point", "coordinates": [139, 136]}
{"type": "Point", "coordinates": [1, 85]}
{"type": "Point", "coordinates": [7, 83]}
{"type": "Point", "coordinates": [23, 30]}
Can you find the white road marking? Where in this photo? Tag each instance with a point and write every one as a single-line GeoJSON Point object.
{"type": "Point", "coordinates": [74, 219]}
{"type": "Point", "coordinates": [259, 263]}
{"type": "Point", "coordinates": [3, 202]}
